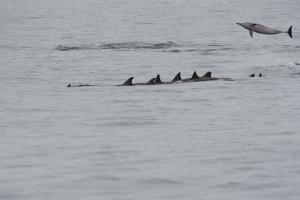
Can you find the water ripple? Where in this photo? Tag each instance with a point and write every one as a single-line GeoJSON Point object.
{"type": "Point", "coordinates": [120, 46]}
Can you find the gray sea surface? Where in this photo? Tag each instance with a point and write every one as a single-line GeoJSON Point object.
{"type": "Point", "coordinates": [226, 140]}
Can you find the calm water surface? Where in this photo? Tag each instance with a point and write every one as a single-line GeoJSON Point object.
{"type": "Point", "coordinates": [208, 140]}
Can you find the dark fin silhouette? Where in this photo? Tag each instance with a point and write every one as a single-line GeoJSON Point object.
{"type": "Point", "coordinates": [157, 79]}
{"type": "Point", "coordinates": [252, 75]}
{"type": "Point", "coordinates": [69, 85]}
{"type": "Point", "coordinates": [260, 75]}
{"type": "Point", "coordinates": [290, 32]}
{"type": "Point", "coordinates": [128, 82]}
{"type": "Point", "coordinates": [195, 75]}
{"type": "Point", "coordinates": [177, 77]}
{"type": "Point", "coordinates": [251, 33]}
{"type": "Point", "coordinates": [207, 74]}
{"type": "Point", "coordinates": [151, 81]}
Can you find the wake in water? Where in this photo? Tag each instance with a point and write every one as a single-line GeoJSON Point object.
{"type": "Point", "coordinates": [172, 47]}
{"type": "Point", "coordinates": [120, 46]}
{"type": "Point", "coordinates": [169, 47]}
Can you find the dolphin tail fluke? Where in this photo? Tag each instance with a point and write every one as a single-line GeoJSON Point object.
{"type": "Point", "coordinates": [290, 32]}
{"type": "Point", "coordinates": [128, 82]}
{"type": "Point", "coordinates": [177, 77]}
{"type": "Point", "coordinates": [207, 74]}
{"type": "Point", "coordinates": [195, 75]}
{"type": "Point", "coordinates": [157, 79]}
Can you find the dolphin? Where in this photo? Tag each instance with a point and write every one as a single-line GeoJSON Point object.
{"type": "Point", "coordinates": [258, 28]}
{"type": "Point", "coordinates": [153, 81]}
{"type": "Point", "coordinates": [175, 79]}
{"type": "Point", "coordinates": [260, 75]}
{"type": "Point", "coordinates": [80, 85]}
{"type": "Point", "coordinates": [207, 77]}
{"type": "Point", "coordinates": [194, 76]}
{"type": "Point", "coordinates": [128, 82]}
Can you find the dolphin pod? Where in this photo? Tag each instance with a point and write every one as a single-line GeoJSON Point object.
{"type": "Point", "coordinates": [258, 28]}
{"type": "Point", "coordinates": [157, 81]}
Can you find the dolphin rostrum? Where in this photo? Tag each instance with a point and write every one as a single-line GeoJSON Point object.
{"type": "Point", "coordinates": [258, 28]}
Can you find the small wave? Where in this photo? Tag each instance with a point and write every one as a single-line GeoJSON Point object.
{"type": "Point", "coordinates": [68, 48]}
{"type": "Point", "coordinates": [203, 51]}
{"type": "Point", "coordinates": [138, 45]}
{"type": "Point", "coordinates": [120, 46]}
{"type": "Point", "coordinates": [282, 48]}
{"type": "Point", "coordinates": [158, 181]}
{"type": "Point", "coordinates": [296, 74]}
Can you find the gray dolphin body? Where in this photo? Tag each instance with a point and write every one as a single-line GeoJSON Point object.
{"type": "Point", "coordinates": [258, 28]}
{"type": "Point", "coordinates": [80, 85]}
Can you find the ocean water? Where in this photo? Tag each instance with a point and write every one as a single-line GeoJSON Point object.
{"type": "Point", "coordinates": [206, 140]}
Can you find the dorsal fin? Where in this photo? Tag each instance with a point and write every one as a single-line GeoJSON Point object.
{"type": "Point", "coordinates": [195, 75]}
{"type": "Point", "coordinates": [290, 32]}
{"type": "Point", "coordinates": [151, 81]}
{"type": "Point", "coordinates": [157, 79]}
{"type": "Point", "coordinates": [128, 82]}
{"type": "Point", "coordinates": [207, 74]}
{"type": "Point", "coordinates": [177, 77]}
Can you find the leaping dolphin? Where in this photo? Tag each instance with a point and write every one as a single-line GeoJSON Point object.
{"type": "Point", "coordinates": [258, 28]}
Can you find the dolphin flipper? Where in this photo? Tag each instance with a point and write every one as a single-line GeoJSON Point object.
{"type": "Point", "coordinates": [251, 33]}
